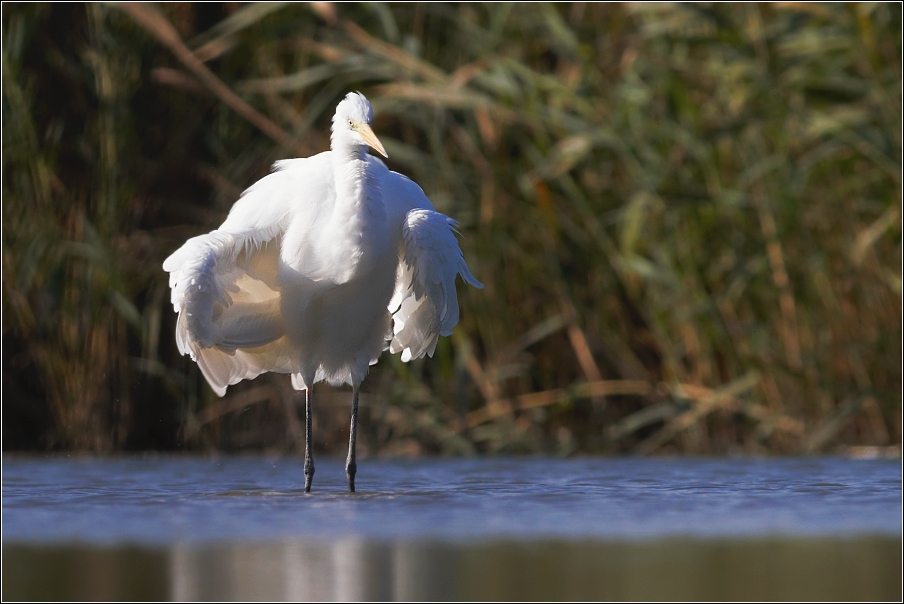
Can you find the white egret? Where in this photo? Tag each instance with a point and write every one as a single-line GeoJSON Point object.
{"type": "Point", "coordinates": [319, 267]}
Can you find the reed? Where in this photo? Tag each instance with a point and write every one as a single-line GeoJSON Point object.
{"type": "Point", "coordinates": [687, 218]}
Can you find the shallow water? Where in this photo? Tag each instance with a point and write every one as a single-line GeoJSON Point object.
{"type": "Point", "coordinates": [527, 528]}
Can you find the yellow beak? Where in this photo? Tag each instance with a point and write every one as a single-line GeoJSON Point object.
{"type": "Point", "coordinates": [371, 139]}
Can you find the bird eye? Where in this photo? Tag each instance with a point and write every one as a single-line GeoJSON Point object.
{"type": "Point", "coordinates": [351, 124]}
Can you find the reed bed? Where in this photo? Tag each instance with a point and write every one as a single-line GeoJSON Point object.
{"type": "Point", "coordinates": [687, 218]}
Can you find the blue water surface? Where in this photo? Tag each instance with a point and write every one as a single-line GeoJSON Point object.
{"type": "Point", "coordinates": [164, 500]}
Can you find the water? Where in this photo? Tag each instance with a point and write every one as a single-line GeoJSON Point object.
{"type": "Point", "coordinates": [529, 528]}
{"type": "Point", "coordinates": [170, 499]}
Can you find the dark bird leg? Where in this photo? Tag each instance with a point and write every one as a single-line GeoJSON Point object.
{"type": "Point", "coordinates": [350, 466]}
{"type": "Point", "coordinates": [308, 453]}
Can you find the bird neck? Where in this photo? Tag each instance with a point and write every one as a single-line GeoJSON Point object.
{"type": "Point", "coordinates": [353, 187]}
{"type": "Point", "coordinates": [345, 152]}
{"type": "Point", "coordinates": [358, 222]}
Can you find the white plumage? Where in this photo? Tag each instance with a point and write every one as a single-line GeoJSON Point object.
{"type": "Point", "coordinates": [319, 267]}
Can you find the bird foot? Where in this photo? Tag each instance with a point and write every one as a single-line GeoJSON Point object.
{"type": "Point", "coordinates": [308, 476]}
{"type": "Point", "coordinates": [350, 472]}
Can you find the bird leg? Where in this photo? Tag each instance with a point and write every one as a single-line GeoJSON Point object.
{"type": "Point", "coordinates": [350, 466]}
{"type": "Point", "coordinates": [308, 453]}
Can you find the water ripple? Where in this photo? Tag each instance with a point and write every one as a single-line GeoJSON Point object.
{"type": "Point", "coordinates": [166, 500]}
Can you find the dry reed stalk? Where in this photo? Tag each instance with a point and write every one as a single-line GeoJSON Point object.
{"type": "Point", "coordinates": [157, 25]}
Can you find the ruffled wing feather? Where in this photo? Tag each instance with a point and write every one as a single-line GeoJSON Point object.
{"type": "Point", "coordinates": [425, 304]}
{"type": "Point", "coordinates": [224, 284]}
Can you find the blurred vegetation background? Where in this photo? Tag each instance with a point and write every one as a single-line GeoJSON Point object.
{"type": "Point", "coordinates": [687, 218]}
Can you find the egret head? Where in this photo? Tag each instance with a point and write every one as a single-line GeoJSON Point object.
{"type": "Point", "coordinates": [351, 124]}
